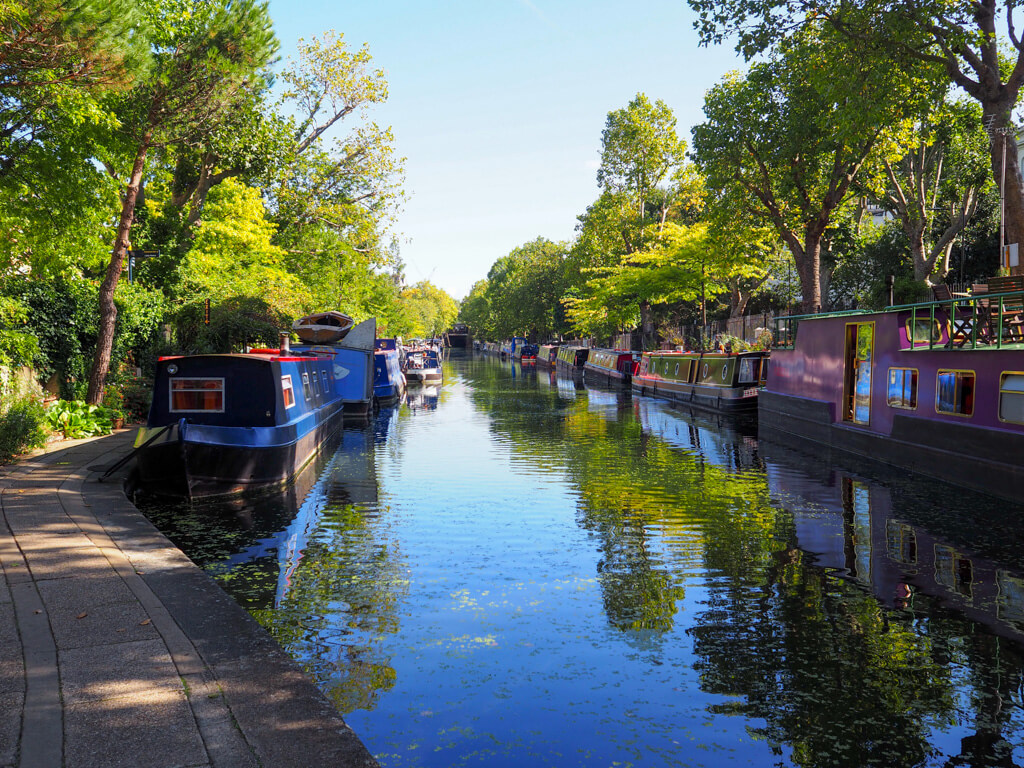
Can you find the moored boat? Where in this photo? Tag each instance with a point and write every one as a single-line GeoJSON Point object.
{"type": "Point", "coordinates": [527, 353]}
{"type": "Point", "coordinates": [547, 354]}
{"type": "Point", "coordinates": [323, 327]}
{"type": "Point", "coordinates": [611, 366]}
{"type": "Point", "coordinates": [223, 424]}
{"type": "Point", "coordinates": [715, 380]}
{"type": "Point", "coordinates": [422, 366]}
{"type": "Point", "coordinates": [571, 359]}
{"type": "Point", "coordinates": [937, 388]}
{"type": "Point", "coordinates": [388, 379]}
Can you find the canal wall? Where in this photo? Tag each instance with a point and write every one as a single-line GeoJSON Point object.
{"type": "Point", "coordinates": [117, 650]}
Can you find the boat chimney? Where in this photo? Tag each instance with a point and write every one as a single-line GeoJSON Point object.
{"type": "Point", "coordinates": [286, 339]}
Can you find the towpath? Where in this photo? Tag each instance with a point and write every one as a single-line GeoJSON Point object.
{"type": "Point", "coordinates": [116, 650]}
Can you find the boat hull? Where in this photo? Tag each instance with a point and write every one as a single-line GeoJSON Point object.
{"type": "Point", "coordinates": [198, 461]}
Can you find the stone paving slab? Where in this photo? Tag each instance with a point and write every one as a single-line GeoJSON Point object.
{"type": "Point", "coordinates": [116, 650]}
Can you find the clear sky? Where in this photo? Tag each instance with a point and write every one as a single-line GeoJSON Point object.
{"type": "Point", "coordinates": [498, 107]}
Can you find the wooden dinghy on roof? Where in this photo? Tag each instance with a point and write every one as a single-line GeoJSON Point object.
{"type": "Point", "coordinates": [323, 327]}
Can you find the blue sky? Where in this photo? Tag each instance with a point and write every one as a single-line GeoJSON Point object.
{"type": "Point", "coordinates": [498, 107]}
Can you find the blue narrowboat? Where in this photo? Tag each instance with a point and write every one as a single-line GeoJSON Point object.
{"type": "Point", "coordinates": [224, 424]}
{"type": "Point", "coordinates": [422, 366]}
{"type": "Point", "coordinates": [388, 379]}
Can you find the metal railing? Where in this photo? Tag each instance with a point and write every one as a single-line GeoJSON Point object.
{"type": "Point", "coordinates": [978, 321]}
{"type": "Point", "coordinates": [786, 326]}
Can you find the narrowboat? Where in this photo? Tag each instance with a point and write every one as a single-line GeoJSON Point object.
{"type": "Point", "coordinates": [547, 354]}
{"type": "Point", "coordinates": [611, 366]}
{"type": "Point", "coordinates": [224, 424]}
{"type": "Point", "coordinates": [422, 366]}
{"type": "Point", "coordinates": [513, 349]}
{"type": "Point", "coordinates": [527, 353]}
{"type": "Point", "coordinates": [571, 359]}
{"type": "Point", "coordinates": [492, 348]}
{"type": "Point", "coordinates": [715, 380]}
{"type": "Point", "coordinates": [388, 379]}
{"type": "Point", "coordinates": [936, 388]}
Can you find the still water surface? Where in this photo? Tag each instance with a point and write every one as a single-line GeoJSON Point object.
{"type": "Point", "coordinates": [513, 570]}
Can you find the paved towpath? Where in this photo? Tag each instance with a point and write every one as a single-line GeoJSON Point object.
{"type": "Point", "coordinates": [116, 650]}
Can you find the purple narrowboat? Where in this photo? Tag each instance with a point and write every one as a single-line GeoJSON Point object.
{"type": "Point", "coordinates": [936, 388]}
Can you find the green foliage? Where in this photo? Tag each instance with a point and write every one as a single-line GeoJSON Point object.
{"type": "Point", "coordinates": [76, 419]}
{"type": "Point", "coordinates": [431, 311]}
{"type": "Point", "coordinates": [22, 426]}
{"type": "Point", "coordinates": [235, 323]}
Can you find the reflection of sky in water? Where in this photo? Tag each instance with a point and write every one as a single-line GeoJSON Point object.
{"type": "Point", "coordinates": [528, 579]}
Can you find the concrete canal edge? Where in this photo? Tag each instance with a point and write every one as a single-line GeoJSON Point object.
{"type": "Point", "coordinates": [117, 650]}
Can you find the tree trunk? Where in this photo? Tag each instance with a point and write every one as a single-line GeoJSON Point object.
{"type": "Point", "coordinates": [808, 266]}
{"type": "Point", "coordinates": [1009, 182]}
{"type": "Point", "coordinates": [108, 310]}
{"type": "Point", "coordinates": [646, 326]}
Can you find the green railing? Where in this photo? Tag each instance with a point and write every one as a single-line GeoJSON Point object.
{"type": "Point", "coordinates": [785, 327]}
{"type": "Point", "coordinates": [981, 321]}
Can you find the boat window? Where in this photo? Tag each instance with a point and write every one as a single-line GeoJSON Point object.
{"type": "Point", "coordinates": [316, 386]}
{"type": "Point", "coordinates": [323, 380]}
{"type": "Point", "coordinates": [902, 388]}
{"type": "Point", "coordinates": [954, 392]}
{"type": "Point", "coordinates": [923, 330]}
{"type": "Point", "coordinates": [287, 393]}
{"type": "Point", "coordinates": [305, 385]}
{"type": "Point", "coordinates": [748, 370]}
{"type": "Point", "coordinates": [197, 395]}
{"type": "Point", "coordinates": [677, 370]}
{"type": "Point", "coordinates": [1011, 397]}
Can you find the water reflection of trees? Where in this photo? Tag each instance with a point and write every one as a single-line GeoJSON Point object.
{"type": "Point", "coordinates": [836, 677]}
{"type": "Point", "coordinates": [314, 564]}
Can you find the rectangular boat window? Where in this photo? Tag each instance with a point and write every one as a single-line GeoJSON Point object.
{"type": "Point", "coordinates": [316, 386]}
{"type": "Point", "coordinates": [923, 330]}
{"type": "Point", "coordinates": [748, 371]}
{"type": "Point", "coordinates": [323, 380]}
{"type": "Point", "coordinates": [902, 390]}
{"type": "Point", "coordinates": [287, 393]}
{"type": "Point", "coordinates": [197, 395]}
{"type": "Point", "coordinates": [954, 392]}
{"type": "Point", "coordinates": [1011, 397]}
{"type": "Point", "coordinates": [305, 385]}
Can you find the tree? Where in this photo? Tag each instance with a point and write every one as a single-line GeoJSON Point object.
{"type": "Point", "coordinates": [475, 311]}
{"type": "Point", "coordinates": [431, 310]}
{"type": "Point", "coordinates": [795, 132]}
{"type": "Point", "coordinates": [205, 56]}
{"type": "Point", "coordinates": [56, 59]}
{"type": "Point", "coordinates": [941, 171]}
{"type": "Point", "coordinates": [968, 40]}
{"type": "Point", "coordinates": [639, 151]}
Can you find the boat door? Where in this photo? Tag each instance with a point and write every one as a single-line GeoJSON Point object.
{"type": "Point", "coordinates": [860, 347]}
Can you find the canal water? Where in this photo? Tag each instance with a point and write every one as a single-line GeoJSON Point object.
{"type": "Point", "coordinates": [514, 570]}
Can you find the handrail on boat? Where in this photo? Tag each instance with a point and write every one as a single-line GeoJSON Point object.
{"type": "Point", "coordinates": [976, 321]}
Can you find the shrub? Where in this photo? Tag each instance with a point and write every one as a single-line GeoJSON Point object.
{"type": "Point", "coordinates": [75, 419]}
{"type": "Point", "coordinates": [22, 427]}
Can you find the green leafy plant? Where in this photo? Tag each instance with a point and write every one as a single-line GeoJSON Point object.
{"type": "Point", "coordinates": [22, 426]}
{"type": "Point", "coordinates": [76, 419]}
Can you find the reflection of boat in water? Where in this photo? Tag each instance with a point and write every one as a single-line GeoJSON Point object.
{"type": "Point", "coordinates": [903, 537]}
{"type": "Point", "coordinates": [423, 398]}
{"type": "Point", "coordinates": [725, 441]}
{"type": "Point", "coordinates": [349, 478]}
{"type": "Point", "coordinates": [568, 387]}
